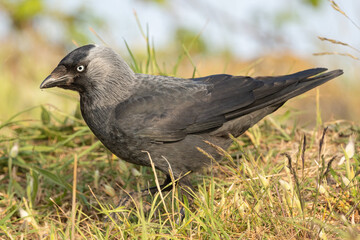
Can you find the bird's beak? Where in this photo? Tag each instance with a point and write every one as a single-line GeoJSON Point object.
{"type": "Point", "coordinates": [58, 78]}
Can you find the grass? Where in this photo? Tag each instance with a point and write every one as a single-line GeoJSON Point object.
{"type": "Point", "coordinates": [267, 186]}
{"type": "Point", "coordinates": [275, 182]}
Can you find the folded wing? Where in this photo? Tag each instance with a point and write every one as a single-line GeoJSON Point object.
{"type": "Point", "coordinates": [204, 104]}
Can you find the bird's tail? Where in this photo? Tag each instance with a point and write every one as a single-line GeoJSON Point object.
{"type": "Point", "coordinates": [277, 90]}
{"type": "Point", "coordinates": [307, 83]}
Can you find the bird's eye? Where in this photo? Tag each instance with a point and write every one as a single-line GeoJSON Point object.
{"type": "Point", "coordinates": [80, 68]}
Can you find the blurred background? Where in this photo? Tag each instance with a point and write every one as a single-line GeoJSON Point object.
{"type": "Point", "coordinates": [188, 37]}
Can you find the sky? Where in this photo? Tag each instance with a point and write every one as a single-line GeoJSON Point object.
{"type": "Point", "coordinates": [243, 25]}
{"type": "Point", "coordinates": [246, 28]}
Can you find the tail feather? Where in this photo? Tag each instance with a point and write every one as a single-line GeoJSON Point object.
{"type": "Point", "coordinates": [305, 74]}
{"type": "Point", "coordinates": [313, 82]}
{"type": "Point", "coordinates": [277, 90]}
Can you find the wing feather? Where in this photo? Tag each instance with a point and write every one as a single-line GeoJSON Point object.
{"type": "Point", "coordinates": [187, 106]}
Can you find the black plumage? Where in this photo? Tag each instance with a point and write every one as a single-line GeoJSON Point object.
{"type": "Point", "coordinates": [170, 117]}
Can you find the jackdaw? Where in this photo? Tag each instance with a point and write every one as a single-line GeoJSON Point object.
{"type": "Point", "coordinates": [168, 118]}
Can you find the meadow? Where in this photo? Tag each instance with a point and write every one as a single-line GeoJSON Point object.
{"type": "Point", "coordinates": [295, 175]}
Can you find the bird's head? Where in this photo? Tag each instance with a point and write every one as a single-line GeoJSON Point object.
{"type": "Point", "coordinates": [89, 67]}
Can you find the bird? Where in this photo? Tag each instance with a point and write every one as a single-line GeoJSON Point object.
{"type": "Point", "coordinates": [171, 121]}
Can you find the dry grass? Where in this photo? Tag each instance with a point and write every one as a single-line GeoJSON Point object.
{"type": "Point", "coordinates": [277, 181]}
{"type": "Point", "coordinates": [270, 185]}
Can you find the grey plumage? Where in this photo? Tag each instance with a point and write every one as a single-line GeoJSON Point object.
{"type": "Point", "coordinates": [169, 117]}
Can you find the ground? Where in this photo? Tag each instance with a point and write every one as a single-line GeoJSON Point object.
{"type": "Point", "coordinates": [275, 182]}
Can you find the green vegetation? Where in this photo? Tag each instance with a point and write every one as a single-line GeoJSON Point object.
{"type": "Point", "coordinates": [277, 181]}
{"type": "Point", "coordinates": [24, 14]}
{"type": "Point", "coordinates": [273, 183]}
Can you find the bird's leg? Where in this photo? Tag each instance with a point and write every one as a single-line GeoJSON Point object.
{"type": "Point", "coordinates": [187, 190]}
{"type": "Point", "coordinates": [165, 187]}
{"type": "Point", "coordinates": [125, 200]}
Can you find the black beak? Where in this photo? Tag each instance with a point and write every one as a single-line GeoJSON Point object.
{"type": "Point", "coordinates": [50, 82]}
{"type": "Point", "coordinates": [58, 78]}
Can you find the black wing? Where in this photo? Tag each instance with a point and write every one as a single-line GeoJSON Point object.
{"type": "Point", "coordinates": [183, 107]}
{"type": "Point", "coordinates": [204, 104]}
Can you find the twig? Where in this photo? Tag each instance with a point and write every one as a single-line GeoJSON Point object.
{"type": "Point", "coordinates": [333, 41]}
{"type": "Point", "coordinates": [322, 142]}
{"type": "Point", "coordinates": [98, 36]}
{"type": "Point", "coordinates": [303, 155]}
{"type": "Point", "coordinates": [338, 9]}
{"type": "Point", "coordinates": [293, 172]}
{"type": "Point", "coordinates": [337, 53]}
{"type": "Point", "coordinates": [329, 166]}
{"type": "Point", "coordinates": [157, 181]}
{"type": "Point", "coordinates": [73, 207]}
